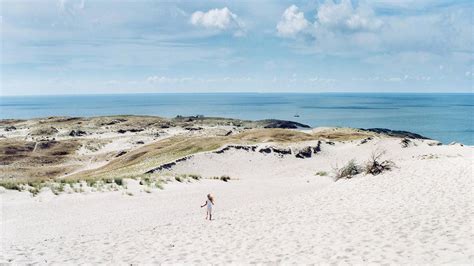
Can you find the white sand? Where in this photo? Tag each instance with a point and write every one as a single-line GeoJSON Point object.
{"type": "Point", "coordinates": [276, 211]}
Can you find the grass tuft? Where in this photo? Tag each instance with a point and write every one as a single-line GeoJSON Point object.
{"type": "Point", "coordinates": [348, 171]}
{"type": "Point", "coordinates": [118, 181]}
{"type": "Point", "coordinates": [195, 177]}
{"type": "Point", "coordinates": [322, 173]}
{"type": "Point", "coordinates": [12, 185]}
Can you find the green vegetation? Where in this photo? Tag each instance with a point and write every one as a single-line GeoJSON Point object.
{"type": "Point", "coordinates": [58, 186]}
{"type": "Point", "coordinates": [374, 166]}
{"type": "Point", "coordinates": [146, 181]}
{"type": "Point", "coordinates": [45, 160]}
{"type": "Point", "coordinates": [186, 177]}
{"type": "Point", "coordinates": [159, 185]}
{"type": "Point", "coordinates": [118, 181]}
{"type": "Point", "coordinates": [10, 184]}
{"type": "Point", "coordinates": [348, 171]}
{"type": "Point", "coordinates": [195, 177]}
{"type": "Point", "coordinates": [322, 173]}
{"type": "Point", "coordinates": [145, 158]}
{"type": "Point", "coordinates": [90, 182]}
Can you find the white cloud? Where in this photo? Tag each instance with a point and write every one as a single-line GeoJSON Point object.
{"type": "Point", "coordinates": [292, 22]}
{"type": "Point", "coordinates": [406, 78]}
{"type": "Point", "coordinates": [70, 6]}
{"type": "Point", "coordinates": [158, 79]}
{"type": "Point", "coordinates": [337, 27]}
{"type": "Point", "coordinates": [406, 4]}
{"type": "Point", "coordinates": [178, 80]}
{"type": "Point", "coordinates": [322, 80]}
{"type": "Point", "coordinates": [160, 36]}
{"type": "Point", "coordinates": [164, 79]}
{"type": "Point", "coordinates": [354, 28]}
{"type": "Point", "coordinates": [112, 82]}
{"type": "Point", "coordinates": [345, 17]}
{"type": "Point", "coordinates": [220, 19]}
{"type": "Point", "coordinates": [394, 79]}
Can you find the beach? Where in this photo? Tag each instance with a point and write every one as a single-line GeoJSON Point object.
{"type": "Point", "coordinates": [276, 207]}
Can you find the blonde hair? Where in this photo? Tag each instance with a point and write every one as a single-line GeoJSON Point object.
{"type": "Point", "coordinates": [209, 196]}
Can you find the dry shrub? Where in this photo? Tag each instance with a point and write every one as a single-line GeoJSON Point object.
{"type": "Point", "coordinates": [348, 171]}
{"type": "Point", "coordinates": [225, 178]}
{"type": "Point", "coordinates": [375, 165]}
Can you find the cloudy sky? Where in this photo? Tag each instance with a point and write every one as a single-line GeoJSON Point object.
{"type": "Point", "coordinates": [81, 46]}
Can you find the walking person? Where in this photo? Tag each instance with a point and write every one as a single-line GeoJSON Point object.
{"type": "Point", "coordinates": [209, 202]}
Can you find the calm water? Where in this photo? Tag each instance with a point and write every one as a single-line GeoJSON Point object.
{"type": "Point", "coordinates": [446, 117]}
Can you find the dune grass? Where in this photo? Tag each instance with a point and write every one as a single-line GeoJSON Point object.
{"type": "Point", "coordinates": [350, 169]}
{"type": "Point", "coordinates": [137, 162]}
{"type": "Point", "coordinates": [58, 186]}
{"type": "Point", "coordinates": [322, 173]}
{"type": "Point", "coordinates": [147, 157]}
{"type": "Point", "coordinates": [343, 134]}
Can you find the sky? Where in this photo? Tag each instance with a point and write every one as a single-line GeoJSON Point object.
{"type": "Point", "coordinates": [83, 46]}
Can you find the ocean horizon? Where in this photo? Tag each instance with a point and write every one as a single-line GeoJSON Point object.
{"type": "Point", "coordinates": [446, 117]}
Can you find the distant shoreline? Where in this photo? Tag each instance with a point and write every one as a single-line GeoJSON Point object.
{"type": "Point", "coordinates": [85, 147]}
{"type": "Point", "coordinates": [438, 116]}
{"type": "Point", "coordinates": [197, 119]}
{"type": "Point", "coordinates": [391, 132]}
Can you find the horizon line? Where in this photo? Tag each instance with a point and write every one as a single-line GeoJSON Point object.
{"type": "Point", "coordinates": [236, 92]}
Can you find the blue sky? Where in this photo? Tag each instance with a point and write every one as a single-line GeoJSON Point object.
{"type": "Point", "coordinates": [81, 46]}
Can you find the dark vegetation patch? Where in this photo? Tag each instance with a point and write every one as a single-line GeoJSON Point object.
{"type": "Point", "coordinates": [6, 122]}
{"type": "Point", "coordinates": [44, 131]}
{"type": "Point", "coordinates": [77, 133]}
{"type": "Point", "coordinates": [60, 119]}
{"type": "Point", "coordinates": [133, 130]}
{"type": "Point", "coordinates": [275, 123]}
{"type": "Point", "coordinates": [396, 133]}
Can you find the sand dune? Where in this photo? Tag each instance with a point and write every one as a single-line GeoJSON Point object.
{"type": "Point", "coordinates": [274, 210]}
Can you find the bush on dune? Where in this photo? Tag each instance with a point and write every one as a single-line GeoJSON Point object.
{"type": "Point", "coordinates": [195, 176]}
{"type": "Point", "coordinates": [11, 185]}
{"type": "Point", "coordinates": [375, 165]}
{"type": "Point", "coordinates": [118, 181]}
{"type": "Point", "coordinates": [225, 178]}
{"type": "Point", "coordinates": [348, 171]}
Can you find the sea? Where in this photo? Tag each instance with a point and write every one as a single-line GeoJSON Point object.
{"type": "Point", "coordinates": [444, 117]}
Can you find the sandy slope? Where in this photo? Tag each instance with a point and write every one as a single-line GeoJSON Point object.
{"type": "Point", "coordinates": [276, 211]}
